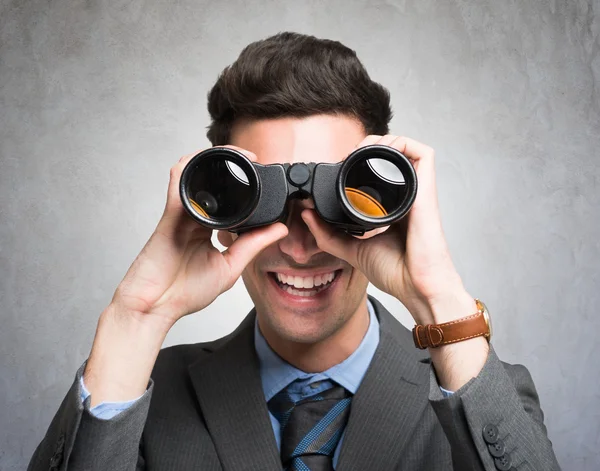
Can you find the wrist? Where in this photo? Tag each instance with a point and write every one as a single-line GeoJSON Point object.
{"type": "Point", "coordinates": [133, 319]}
{"type": "Point", "coordinates": [123, 354]}
{"type": "Point", "coordinates": [456, 363]}
{"type": "Point", "coordinates": [447, 306]}
{"type": "Point", "coordinates": [451, 306]}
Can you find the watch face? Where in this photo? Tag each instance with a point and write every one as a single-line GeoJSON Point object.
{"type": "Point", "coordinates": [486, 316]}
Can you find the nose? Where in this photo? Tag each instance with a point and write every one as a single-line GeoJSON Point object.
{"type": "Point", "coordinates": [299, 244]}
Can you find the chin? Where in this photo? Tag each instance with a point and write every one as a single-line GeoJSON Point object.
{"type": "Point", "coordinates": [302, 328]}
{"type": "Point", "coordinates": [307, 314]}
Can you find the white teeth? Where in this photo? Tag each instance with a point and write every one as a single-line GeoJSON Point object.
{"type": "Point", "coordinates": [282, 278]}
{"type": "Point", "coordinates": [306, 282]}
{"type": "Point", "coordinates": [296, 292]}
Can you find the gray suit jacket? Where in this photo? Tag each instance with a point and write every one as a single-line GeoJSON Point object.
{"type": "Point", "coordinates": [205, 410]}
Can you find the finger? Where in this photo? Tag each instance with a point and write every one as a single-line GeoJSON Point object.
{"type": "Point", "coordinates": [337, 243]}
{"type": "Point", "coordinates": [422, 156]}
{"type": "Point", "coordinates": [368, 141]}
{"type": "Point", "coordinates": [424, 217]}
{"type": "Point", "coordinates": [249, 244]}
{"type": "Point", "coordinates": [386, 140]}
{"type": "Point", "coordinates": [158, 262]}
{"type": "Point", "coordinates": [414, 150]}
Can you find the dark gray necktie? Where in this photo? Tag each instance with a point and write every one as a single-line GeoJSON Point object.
{"type": "Point", "coordinates": [311, 428]}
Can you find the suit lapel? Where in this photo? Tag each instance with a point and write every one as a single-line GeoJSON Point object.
{"type": "Point", "coordinates": [229, 390]}
{"type": "Point", "coordinates": [389, 402]}
{"type": "Point", "coordinates": [385, 409]}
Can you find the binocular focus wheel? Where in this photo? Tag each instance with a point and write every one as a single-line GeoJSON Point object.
{"type": "Point", "coordinates": [365, 203]}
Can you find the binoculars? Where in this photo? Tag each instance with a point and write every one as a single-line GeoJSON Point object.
{"type": "Point", "coordinates": [373, 187]}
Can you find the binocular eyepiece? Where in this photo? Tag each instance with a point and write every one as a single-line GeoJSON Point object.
{"type": "Point", "coordinates": [373, 187]}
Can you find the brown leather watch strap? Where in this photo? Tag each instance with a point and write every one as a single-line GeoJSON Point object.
{"type": "Point", "coordinates": [435, 335]}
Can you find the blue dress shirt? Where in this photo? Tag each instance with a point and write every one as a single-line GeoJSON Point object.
{"type": "Point", "coordinates": [276, 373]}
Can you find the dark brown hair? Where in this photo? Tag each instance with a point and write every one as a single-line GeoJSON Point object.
{"type": "Point", "coordinates": [295, 75]}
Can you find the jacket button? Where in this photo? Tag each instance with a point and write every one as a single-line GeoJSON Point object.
{"type": "Point", "coordinates": [497, 449]}
{"type": "Point", "coordinates": [490, 434]}
{"type": "Point", "coordinates": [503, 463]}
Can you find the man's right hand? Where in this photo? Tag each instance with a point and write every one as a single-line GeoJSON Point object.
{"type": "Point", "coordinates": [178, 272]}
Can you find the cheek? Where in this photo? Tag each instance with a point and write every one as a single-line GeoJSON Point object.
{"type": "Point", "coordinates": [358, 282]}
{"type": "Point", "coordinates": [250, 275]}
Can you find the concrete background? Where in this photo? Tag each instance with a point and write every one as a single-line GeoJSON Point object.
{"type": "Point", "coordinates": [99, 99]}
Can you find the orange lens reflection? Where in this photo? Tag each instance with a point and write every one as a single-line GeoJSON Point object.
{"type": "Point", "coordinates": [365, 203]}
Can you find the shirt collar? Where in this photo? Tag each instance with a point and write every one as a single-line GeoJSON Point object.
{"type": "Point", "coordinates": [276, 373]}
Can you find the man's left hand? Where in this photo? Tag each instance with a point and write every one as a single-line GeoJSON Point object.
{"type": "Point", "coordinates": [410, 260]}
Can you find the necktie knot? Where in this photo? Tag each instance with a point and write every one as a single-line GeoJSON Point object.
{"type": "Point", "coordinates": [311, 428]}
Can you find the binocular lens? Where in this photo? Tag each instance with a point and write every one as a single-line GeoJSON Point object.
{"type": "Point", "coordinates": [375, 187]}
{"type": "Point", "coordinates": [219, 189]}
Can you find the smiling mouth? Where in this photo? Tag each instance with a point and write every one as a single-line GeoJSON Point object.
{"type": "Point", "coordinates": [305, 286]}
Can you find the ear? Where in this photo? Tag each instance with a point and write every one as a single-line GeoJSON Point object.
{"type": "Point", "coordinates": [226, 238]}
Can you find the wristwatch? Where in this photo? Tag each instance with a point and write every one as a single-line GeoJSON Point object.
{"type": "Point", "coordinates": [436, 335]}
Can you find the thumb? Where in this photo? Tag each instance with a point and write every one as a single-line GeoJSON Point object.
{"type": "Point", "coordinates": [330, 240]}
{"type": "Point", "coordinates": [248, 245]}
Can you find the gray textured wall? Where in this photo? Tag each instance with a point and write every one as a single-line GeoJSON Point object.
{"type": "Point", "coordinates": [99, 99]}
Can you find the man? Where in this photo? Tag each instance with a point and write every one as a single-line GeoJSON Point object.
{"type": "Point", "coordinates": [318, 376]}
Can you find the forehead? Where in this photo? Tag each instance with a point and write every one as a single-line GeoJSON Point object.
{"type": "Point", "coordinates": [317, 138]}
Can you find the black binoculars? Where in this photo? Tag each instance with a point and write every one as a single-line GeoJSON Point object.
{"type": "Point", "coordinates": [373, 187]}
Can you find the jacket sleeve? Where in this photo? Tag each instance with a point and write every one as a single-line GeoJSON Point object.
{"type": "Point", "coordinates": [77, 440]}
{"type": "Point", "coordinates": [494, 422]}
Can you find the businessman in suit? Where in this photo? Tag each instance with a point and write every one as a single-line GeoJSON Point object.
{"type": "Point", "coordinates": [319, 376]}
